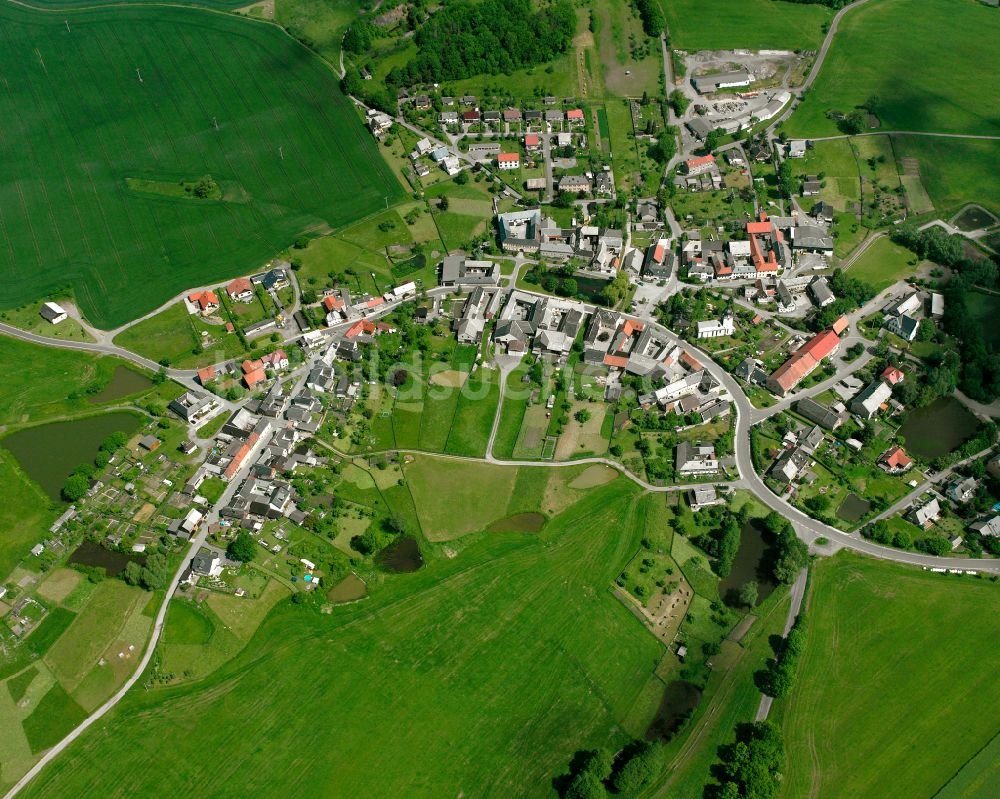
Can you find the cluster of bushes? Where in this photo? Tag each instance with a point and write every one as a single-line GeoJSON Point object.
{"type": "Point", "coordinates": [152, 575]}
{"type": "Point", "coordinates": [788, 554]}
{"type": "Point", "coordinates": [751, 765]}
{"type": "Point", "coordinates": [599, 773]}
{"type": "Point", "coordinates": [778, 678]}
{"type": "Point", "coordinates": [722, 541]}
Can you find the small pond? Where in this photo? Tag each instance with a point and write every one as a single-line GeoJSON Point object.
{"type": "Point", "coordinates": [350, 589]}
{"type": "Point", "coordinates": [114, 563]}
{"type": "Point", "coordinates": [679, 699]}
{"type": "Point", "coordinates": [401, 556]}
{"type": "Point", "coordinates": [530, 522]}
{"type": "Point", "coordinates": [50, 452]}
{"type": "Point", "coordinates": [853, 508]}
{"type": "Point", "coordinates": [938, 428]}
{"type": "Point", "coordinates": [124, 383]}
{"type": "Point", "coordinates": [750, 564]}
{"type": "Point", "coordinates": [590, 287]}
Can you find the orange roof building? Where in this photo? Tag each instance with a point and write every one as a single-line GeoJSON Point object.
{"type": "Point", "coordinates": [254, 377]}
{"type": "Point", "coordinates": [206, 375]}
{"type": "Point", "coordinates": [332, 303]}
{"type": "Point", "coordinates": [840, 325]}
{"type": "Point", "coordinates": [896, 459]}
{"type": "Point", "coordinates": [892, 375]}
{"type": "Point", "coordinates": [695, 166]}
{"type": "Point", "coordinates": [765, 245]}
{"type": "Point", "coordinates": [240, 288]}
{"type": "Point", "coordinates": [802, 362]}
{"type": "Point", "coordinates": [205, 300]}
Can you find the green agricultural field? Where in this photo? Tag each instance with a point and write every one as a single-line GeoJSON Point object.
{"type": "Point", "coordinates": [219, 95]}
{"type": "Point", "coordinates": [52, 719]}
{"type": "Point", "coordinates": [883, 263]}
{"type": "Point", "coordinates": [481, 674]}
{"type": "Point", "coordinates": [890, 642]}
{"type": "Point", "coordinates": [979, 778]}
{"type": "Point", "coordinates": [952, 171]}
{"type": "Point", "coordinates": [903, 52]}
{"type": "Point", "coordinates": [753, 24]}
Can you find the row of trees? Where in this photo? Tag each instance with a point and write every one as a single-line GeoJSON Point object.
{"type": "Point", "coordinates": [778, 678]}
{"type": "Point", "coordinates": [651, 15]}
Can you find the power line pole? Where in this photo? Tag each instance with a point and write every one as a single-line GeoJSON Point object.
{"type": "Point", "coordinates": [67, 26]}
{"type": "Point", "coordinates": [281, 153]}
{"type": "Point", "coordinates": [215, 122]}
{"type": "Point", "coordinates": [137, 72]}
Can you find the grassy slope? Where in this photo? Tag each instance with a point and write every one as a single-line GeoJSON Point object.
{"type": "Point", "coordinates": [754, 24]}
{"type": "Point", "coordinates": [75, 222]}
{"type": "Point", "coordinates": [481, 674]}
{"type": "Point", "coordinates": [882, 264]}
{"type": "Point", "coordinates": [904, 52]}
{"type": "Point", "coordinates": [894, 664]}
{"type": "Point", "coordinates": [954, 171]}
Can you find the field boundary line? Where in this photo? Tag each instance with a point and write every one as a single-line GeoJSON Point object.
{"type": "Point", "coordinates": [961, 768]}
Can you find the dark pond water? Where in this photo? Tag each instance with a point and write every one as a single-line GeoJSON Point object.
{"type": "Point", "coordinates": [401, 556]}
{"type": "Point", "coordinates": [124, 383]}
{"type": "Point", "coordinates": [853, 508]}
{"type": "Point", "coordinates": [590, 287]}
{"type": "Point", "coordinates": [114, 563]}
{"type": "Point", "coordinates": [679, 699]}
{"type": "Point", "coordinates": [938, 428]}
{"type": "Point", "coordinates": [50, 452]}
{"type": "Point", "coordinates": [530, 522]}
{"type": "Point", "coordinates": [750, 564]}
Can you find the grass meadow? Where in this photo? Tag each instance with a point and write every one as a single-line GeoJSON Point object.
{"type": "Point", "coordinates": [893, 666]}
{"type": "Point", "coordinates": [494, 666]}
{"type": "Point", "coordinates": [954, 171]}
{"type": "Point", "coordinates": [883, 263]}
{"type": "Point", "coordinates": [218, 95]}
{"type": "Point", "coordinates": [751, 24]}
{"type": "Point", "coordinates": [902, 51]}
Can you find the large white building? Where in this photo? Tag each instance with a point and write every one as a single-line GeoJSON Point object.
{"type": "Point", "coordinates": [715, 328]}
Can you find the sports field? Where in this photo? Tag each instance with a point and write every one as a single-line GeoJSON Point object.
{"type": "Point", "coordinates": [903, 52]}
{"type": "Point", "coordinates": [167, 94]}
{"type": "Point", "coordinates": [750, 24]}
{"type": "Point", "coordinates": [894, 665]}
{"type": "Point", "coordinates": [478, 675]}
